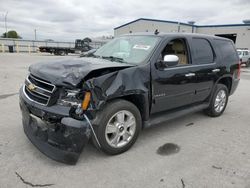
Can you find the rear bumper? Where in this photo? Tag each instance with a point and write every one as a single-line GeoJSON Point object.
{"type": "Point", "coordinates": [58, 136]}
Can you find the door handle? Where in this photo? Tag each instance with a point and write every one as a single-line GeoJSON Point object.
{"type": "Point", "coordinates": [190, 74]}
{"type": "Point", "coordinates": [216, 70]}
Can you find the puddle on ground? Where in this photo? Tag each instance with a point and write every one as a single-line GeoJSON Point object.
{"type": "Point", "coordinates": [168, 149]}
{"type": "Point", "coordinates": [7, 95]}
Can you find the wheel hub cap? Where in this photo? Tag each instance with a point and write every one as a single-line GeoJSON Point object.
{"type": "Point", "coordinates": [120, 129]}
{"type": "Point", "coordinates": [220, 101]}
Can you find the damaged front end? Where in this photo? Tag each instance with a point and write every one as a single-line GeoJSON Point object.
{"type": "Point", "coordinates": [53, 129]}
{"type": "Point", "coordinates": [60, 101]}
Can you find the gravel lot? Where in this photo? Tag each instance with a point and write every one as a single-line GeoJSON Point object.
{"type": "Point", "coordinates": [213, 152]}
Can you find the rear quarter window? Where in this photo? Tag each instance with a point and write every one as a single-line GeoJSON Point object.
{"type": "Point", "coordinates": [202, 51]}
{"type": "Point", "coordinates": [227, 50]}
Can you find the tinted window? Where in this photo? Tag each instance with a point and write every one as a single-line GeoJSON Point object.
{"type": "Point", "coordinates": [203, 52]}
{"type": "Point", "coordinates": [227, 50]}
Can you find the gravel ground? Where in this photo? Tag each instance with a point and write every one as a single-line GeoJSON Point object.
{"type": "Point", "coordinates": [200, 151]}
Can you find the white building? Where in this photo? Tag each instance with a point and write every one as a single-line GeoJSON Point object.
{"type": "Point", "coordinates": [239, 33]}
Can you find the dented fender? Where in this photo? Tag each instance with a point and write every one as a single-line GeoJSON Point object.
{"type": "Point", "coordinates": [132, 83]}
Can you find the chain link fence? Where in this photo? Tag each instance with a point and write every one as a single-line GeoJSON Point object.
{"type": "Point", "coordinates": [31, 46]}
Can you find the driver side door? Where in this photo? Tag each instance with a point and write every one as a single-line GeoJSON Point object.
{"type": "Point", "coordinates": [173, 86]}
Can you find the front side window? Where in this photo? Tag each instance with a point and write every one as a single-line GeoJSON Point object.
{"type": "Point", "coordinates": [129, 49]}
{"type": "Point", "coordinates": [203, 53]}
{"type": "Point", "coordinates": [176, 47]}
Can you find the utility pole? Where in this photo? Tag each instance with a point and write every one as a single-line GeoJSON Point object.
{"type": "Point", "coordinates": [35, 33]}
{"type": "Point", "coordinates": [5, 21]}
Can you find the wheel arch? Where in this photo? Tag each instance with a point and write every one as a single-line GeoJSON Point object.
{"type": "Point", "coordinates": [227, 81]}
{"type": "Point", "coordinates": [139, 100]}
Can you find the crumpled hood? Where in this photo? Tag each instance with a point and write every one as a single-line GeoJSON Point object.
{"type": "Point", "coordinates": [71, 72]}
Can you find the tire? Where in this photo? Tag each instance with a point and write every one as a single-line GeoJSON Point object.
{"type": "Point", "coordinates": [218, 102]}
{"type": "Point", "coordinates": [108, 128]}
{"type": "Point", "coordinates": [62, 53]}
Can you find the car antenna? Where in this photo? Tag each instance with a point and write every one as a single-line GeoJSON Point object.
{"type": "Point", "coordinates": [156, 32]}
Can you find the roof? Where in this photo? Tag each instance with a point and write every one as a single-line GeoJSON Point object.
{"type": "Point", "coordinates": [181, 23]}
{"type": "Point", "coordinates": [162, 34]}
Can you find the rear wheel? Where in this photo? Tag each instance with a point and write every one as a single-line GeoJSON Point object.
{"type": "Point", "coordinates": [218, 102]}
{"type": "Point", "coordinates": [62, 53]}
{"type": "Point", "coordinates": [118, 127]}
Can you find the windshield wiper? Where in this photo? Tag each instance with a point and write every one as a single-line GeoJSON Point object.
{"type": "Point", "coordinates": [113, 58]}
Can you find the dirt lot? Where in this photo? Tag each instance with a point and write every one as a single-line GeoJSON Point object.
{"type": "Point", "coordinates": [211, 152]}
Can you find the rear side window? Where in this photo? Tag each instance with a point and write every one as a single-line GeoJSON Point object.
{"type": "Point", "coordinates": [203, 53]}
{"type": "Point", "coordinates": [227, 50]}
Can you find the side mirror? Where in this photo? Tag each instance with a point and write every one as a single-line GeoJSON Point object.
{"type": "Point", "coordinates": [168, 61]}
{"type": "Point", "coordinates": [171, 60]}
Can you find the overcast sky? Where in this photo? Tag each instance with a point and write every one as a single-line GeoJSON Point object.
{"type": "Point", "coordinates": [70, 19]}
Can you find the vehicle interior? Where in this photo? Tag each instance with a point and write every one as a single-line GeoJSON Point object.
{"type": "Point", "coordinates": [177, 47]}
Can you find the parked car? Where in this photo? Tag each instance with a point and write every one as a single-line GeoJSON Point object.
{"type": "Point", "coordinates": [244, 56]}
{"type": "Point", "coordinates": [130, 83]}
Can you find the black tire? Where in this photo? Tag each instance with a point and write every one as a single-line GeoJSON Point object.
{"type": "Point", "coordinates": [211, 110]}
{"type": "Point", "coordinates": [102, 120]}
{"type": "Point", "coordinates": [62, 53]}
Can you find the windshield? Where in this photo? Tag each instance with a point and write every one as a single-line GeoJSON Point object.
{"type": "Point", "coordinates": [128, 49]}
{"type": "Point", "coordinates": [239, 52]}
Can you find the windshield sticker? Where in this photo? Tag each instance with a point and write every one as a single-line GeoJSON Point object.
{"type": "Point", "coordinates": [141, 47]}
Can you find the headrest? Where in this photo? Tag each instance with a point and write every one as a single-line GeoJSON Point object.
{"type": "Point", "coordinates": [178, 46]}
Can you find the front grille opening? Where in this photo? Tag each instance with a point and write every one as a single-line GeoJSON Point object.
{"type": "Point", "coordinates": [41, 83]}
{"type": "Point", "coordinates": [36, 96]}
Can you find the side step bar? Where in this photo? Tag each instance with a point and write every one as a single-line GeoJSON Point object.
{"type": "Point", "coordinates": [166, 116]}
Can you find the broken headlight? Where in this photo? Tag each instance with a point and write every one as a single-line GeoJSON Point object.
{"type": "Point", "coordinates": [70, 98]}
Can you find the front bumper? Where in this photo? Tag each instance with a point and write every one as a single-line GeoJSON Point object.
{"type": "Point", "coordinates": [52, 131]}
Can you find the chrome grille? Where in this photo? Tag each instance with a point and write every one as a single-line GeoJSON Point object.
{"type": "Point", "coordinates": [38, 90]}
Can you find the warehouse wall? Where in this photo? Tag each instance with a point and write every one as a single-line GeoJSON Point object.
{"type": "Point", "coordinates": [151, 26]}
{"type": "Point", "coordinates": [243, 33]}
{"type": "Point", "coordinates": [242, 39]}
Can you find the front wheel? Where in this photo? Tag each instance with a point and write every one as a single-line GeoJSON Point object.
{"type": "Point", "coordinates": [218, 102]}
{"type": "Point", "coordinates": [118, 127]}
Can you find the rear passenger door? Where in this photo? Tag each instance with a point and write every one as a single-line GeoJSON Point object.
{"type": "Point", "coordinates": [206, 70]}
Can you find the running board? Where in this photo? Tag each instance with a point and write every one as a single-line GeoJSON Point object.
{"type": "Point", "coordinates": [167, 116]}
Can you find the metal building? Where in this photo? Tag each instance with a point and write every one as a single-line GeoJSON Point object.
{"type": "Point", "coordinates": [239, 33]}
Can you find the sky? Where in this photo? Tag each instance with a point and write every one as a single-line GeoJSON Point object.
{"type": "Point", "coordinates": [66, 20]}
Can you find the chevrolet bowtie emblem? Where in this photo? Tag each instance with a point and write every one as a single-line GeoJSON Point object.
{"type": "Point", "coordinates": [31, 87]}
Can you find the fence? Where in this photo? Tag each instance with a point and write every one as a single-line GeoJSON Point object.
{"type": "Point", "coordinates": [31, 46]}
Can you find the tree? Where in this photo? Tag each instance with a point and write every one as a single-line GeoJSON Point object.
{"type": "Point", "coordinates": [11, 34]}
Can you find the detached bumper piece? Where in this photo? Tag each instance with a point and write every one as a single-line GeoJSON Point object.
{"type": "Point", "coordinates": [61, 140]}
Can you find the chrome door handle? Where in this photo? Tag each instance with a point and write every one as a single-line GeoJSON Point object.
{"type": "Point", "coordinates": [190, 74]}
{"type": "Point", "coordinates": [216, 70]}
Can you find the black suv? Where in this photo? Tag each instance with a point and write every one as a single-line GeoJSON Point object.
{"type": "Point", "coordinates": [132, 82]}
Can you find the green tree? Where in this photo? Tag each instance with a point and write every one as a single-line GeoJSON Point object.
{"type": "Point", "coordinates": [11, 34]}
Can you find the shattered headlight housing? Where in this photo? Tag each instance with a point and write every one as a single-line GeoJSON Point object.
{"type": "Point", "coordinates": [70, 98]}
{"type": "Point", "coordinates": [75, 98]}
